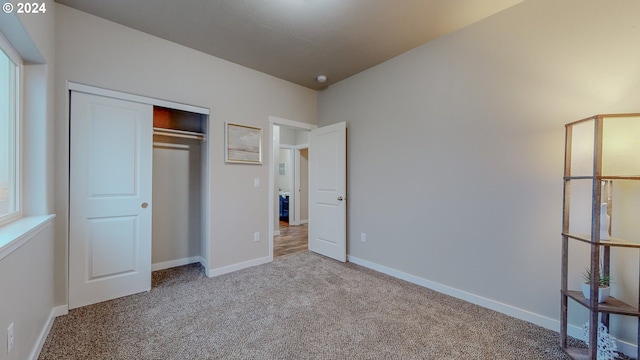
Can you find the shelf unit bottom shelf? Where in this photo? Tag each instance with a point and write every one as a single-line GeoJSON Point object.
{"type": "Point", "coordinates": [577, 353]}
{"type": "Point", "coordinates": [611, 306]}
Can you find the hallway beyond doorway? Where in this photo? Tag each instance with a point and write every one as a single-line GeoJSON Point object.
{"type": "Point", "coordinates": [292, 239]}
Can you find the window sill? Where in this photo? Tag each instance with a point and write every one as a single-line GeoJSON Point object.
{"type": "Point", "coordinates": [19, 232]}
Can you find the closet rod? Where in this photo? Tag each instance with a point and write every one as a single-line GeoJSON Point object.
{"type": "Point", "coordinates": [162, 145]}
{"type": "Point", "coordinates": [178, 133]}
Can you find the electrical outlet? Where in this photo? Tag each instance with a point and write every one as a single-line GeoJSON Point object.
{"type": "Point", "coordinates": [10, 338]}
{"type": "Point", "coordinates": [363, 237]}
{"type": "Point", "coordinates": [256, 236]}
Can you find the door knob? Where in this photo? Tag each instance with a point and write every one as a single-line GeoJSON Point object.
{"type": "Point", "coordinates": [340, 198]}
{"type": "Point", "coordinates": [144, 205]}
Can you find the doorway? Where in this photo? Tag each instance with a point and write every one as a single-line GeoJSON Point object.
{"type": "Point", "coordinates": [289, 190]}
{"type": "Point", "coordinates": [327, 186]}
{"type": "Point", "coordinates": [292, 182]}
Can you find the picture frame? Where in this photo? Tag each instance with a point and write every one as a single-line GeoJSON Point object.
{"type": "Point", "coordinates": [243, 144]}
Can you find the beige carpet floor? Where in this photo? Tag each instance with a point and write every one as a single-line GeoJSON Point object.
{"type": "Point", "coordinates": [301, 306]}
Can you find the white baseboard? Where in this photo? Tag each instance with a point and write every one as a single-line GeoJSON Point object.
{"type": "Point", "coordinates": [60, 310]}
{"type": "Point", "coordinates": [276, 233]}
{"type": "Point", "coordinates": [302, 222]}
{"type": "Point", "coordinates": [238, 266]}
{"type": "Point", "coordinates": [55, 312]}
{"type": "Point", "coordinates": [626, 348]}
{"type": "Point", "coordinates": [178, 262]}
{"type": "Point", "coordinates": [540, 320]}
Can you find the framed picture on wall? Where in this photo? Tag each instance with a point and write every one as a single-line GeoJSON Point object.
{"type": "Point", "coordinates": [243, 144]}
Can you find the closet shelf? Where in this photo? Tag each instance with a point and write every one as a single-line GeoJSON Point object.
{"type": "Point", "coordinates": [178, 133]}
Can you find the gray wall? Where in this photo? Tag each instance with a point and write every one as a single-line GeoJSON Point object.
{"type": "Point", "coordinates": [287, 136]}
{"type": "Point", "coordinates": [471, 123]}
{"type": "Point", "coordinates": [100, 53]}
{"type": "Point", "coordinates": [455, 149]}
{"type": "Point", "coordinates": [26, 280]}
{"type": "Point", "coordinates": [27, 274]}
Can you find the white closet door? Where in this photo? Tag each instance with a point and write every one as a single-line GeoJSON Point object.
{"type": "Point", "coordinates": [110, 198]}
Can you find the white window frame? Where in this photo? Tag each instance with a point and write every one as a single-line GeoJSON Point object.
{"type": "Point", "coordinates": [6, 47]}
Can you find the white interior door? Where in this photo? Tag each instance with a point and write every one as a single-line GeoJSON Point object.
{"type": "Point", "coordinates": [110, 198]}
{"type": "Point", "coordinates": [327, 191]}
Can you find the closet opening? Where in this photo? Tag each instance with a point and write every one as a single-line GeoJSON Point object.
{"type": "Point", "coordinates": [139, 199]}
{"type": "Point", "coordinates": [179, 188]}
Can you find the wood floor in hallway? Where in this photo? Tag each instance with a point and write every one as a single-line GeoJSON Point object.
{"type": "Point", "coordinates": [292, 239]}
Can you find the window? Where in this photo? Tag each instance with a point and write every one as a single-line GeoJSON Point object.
{"type": "Point", "coordinates": [9, 133]}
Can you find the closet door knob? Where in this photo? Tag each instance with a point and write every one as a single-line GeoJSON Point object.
{"type": "Point", "coordinates": [144, 205]}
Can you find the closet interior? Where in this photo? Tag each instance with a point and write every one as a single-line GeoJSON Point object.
{"type": "Point", "coordinates": [179, 180]}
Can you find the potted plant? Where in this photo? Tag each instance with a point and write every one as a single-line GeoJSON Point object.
{"type": "Point", "coordinates": [603, 285]}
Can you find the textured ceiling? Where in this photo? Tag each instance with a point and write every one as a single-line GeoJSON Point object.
{"type": "Point", "coordinates": [296, 40]}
